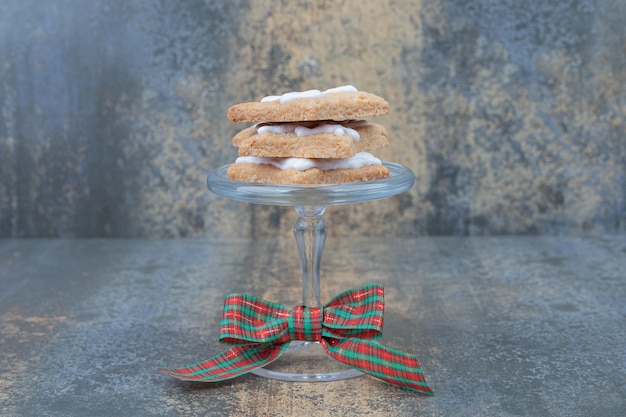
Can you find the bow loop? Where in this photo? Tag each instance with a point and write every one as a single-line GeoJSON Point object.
{"type": "Point", "coordinates": [356, 313]}
{"type": "Point", "coordinates": [247, 319]}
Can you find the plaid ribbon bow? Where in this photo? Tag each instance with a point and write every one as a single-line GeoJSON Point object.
{"type": "Point", "coordinates": [260, 331]}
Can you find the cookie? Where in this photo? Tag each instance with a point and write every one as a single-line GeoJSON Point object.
{"type": "Point", "coordinates": [334, 104]}
{"type": "Point", "coordinates": [325, 139]}
{"type": "Point", "coordinates": [361, 167]}
{"type": "Point", "coordinates": [268, 174]}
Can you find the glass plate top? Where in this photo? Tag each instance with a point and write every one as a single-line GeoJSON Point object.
{"type": "Point", "coordinates": [400, 180]}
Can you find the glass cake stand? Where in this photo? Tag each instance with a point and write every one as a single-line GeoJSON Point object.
{"type": "Point", "coordinates": [306, 361]}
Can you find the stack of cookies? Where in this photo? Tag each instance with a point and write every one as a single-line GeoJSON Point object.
{"type": "Point", "coordinates": [310, 137]}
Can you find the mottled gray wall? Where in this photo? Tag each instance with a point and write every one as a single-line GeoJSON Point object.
{"type": "Point", "coordinates": [511, 113]}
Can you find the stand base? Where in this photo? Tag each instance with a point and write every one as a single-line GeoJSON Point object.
{"type": "Point", "coordinates": [306, 362]}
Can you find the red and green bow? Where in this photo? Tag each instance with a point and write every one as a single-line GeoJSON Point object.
{"type": "Point", "coordinates": [260, 331]}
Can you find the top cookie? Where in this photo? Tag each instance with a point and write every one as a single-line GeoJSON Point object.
{"type": "Point", "coordinates": [335, 104]}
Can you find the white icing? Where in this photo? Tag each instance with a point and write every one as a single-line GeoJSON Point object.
{"type": "Point", "coordinates": [270, 98]}
{"type": "Point", "coordinates": [343, 89]}
{"type": "Point", "coordinates": [359, 160]}
{"type": "Point", "coordinates": [296, 95]}
{"type": "Point", "coordinates": [338, 129]}
{"type": "Point", "coordinates": [277, 129]}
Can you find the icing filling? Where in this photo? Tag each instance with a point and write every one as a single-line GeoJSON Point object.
{"type": "Point", "coordinates": [296, 95]}
{"type": "Point", "coordinates": [359, 160]}
{"type": "Point", "coordinates": [300, 130]}
{"type": "Point", "coordinates": [335, 129]}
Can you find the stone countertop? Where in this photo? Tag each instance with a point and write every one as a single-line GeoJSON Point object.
{"type": "Point", "coordinates": [523, 326]}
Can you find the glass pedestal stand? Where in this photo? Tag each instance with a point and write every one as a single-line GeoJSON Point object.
{"type": "Point", "coordinates": [306, 361]}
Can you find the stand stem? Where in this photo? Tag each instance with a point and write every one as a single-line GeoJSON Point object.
{"type": "Point", "coordinates": [310, 233]}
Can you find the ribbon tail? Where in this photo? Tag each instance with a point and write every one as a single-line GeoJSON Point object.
{"type": "Point", "coordinates": [390, 365]}
{"type": "Point", "coordinates": [234, 362]}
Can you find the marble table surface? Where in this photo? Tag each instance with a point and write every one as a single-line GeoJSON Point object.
{"type": "Point", "coordinates": [503, 326]}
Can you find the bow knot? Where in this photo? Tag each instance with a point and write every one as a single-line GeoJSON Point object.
{"type": "Point", "coordinates": [305, 323]}
{"type": "Point", "coordinates": [260, 331]}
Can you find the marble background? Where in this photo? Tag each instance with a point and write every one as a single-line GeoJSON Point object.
{"type": "Point", "coordinates": [511, 113]}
